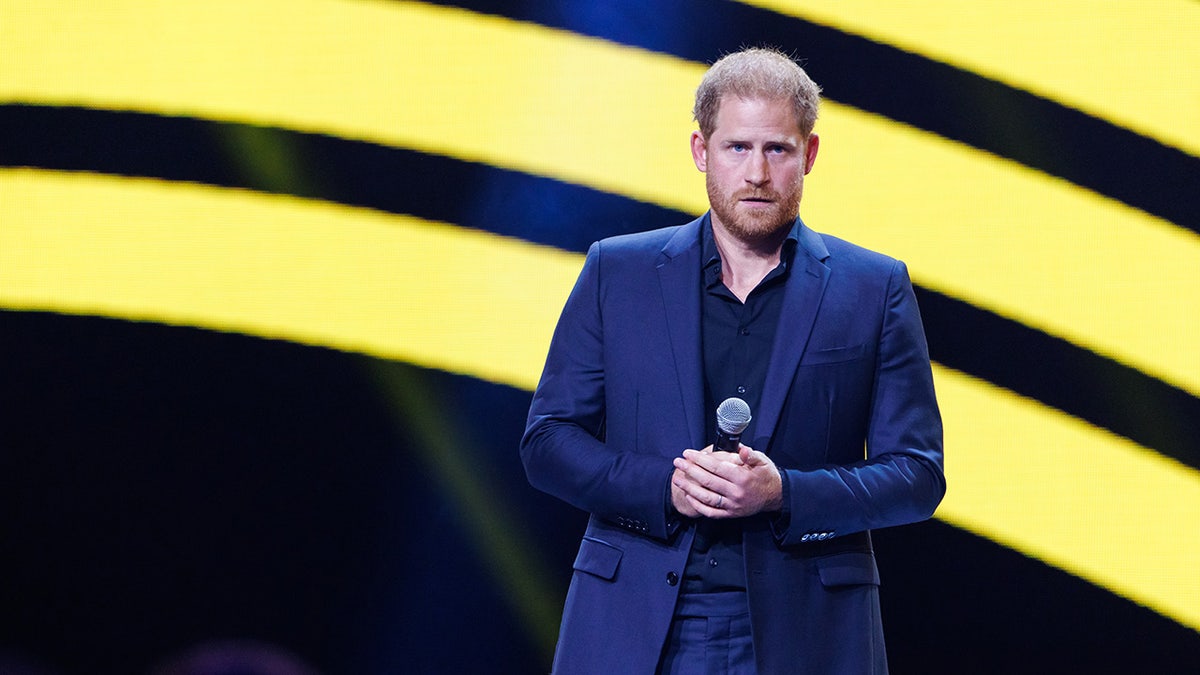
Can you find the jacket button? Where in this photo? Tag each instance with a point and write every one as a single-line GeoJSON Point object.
{"type": "Point", "coordinates": [672, 578]}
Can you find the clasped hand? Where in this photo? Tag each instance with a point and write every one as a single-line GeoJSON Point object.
{"type": "Point", "coordinates": [712, 484]}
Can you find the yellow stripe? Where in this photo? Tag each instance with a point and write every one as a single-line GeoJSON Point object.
{"type": "Point", "coordinates": [1131, 63]}
{"type": "Point", "coordinates": [398, 73]}
{"type": "Point", "coordinates": [1070, 494]}
{"type": "Point", "coordinates": [1003, 237]}
{"type": "Point", "coordinates": [311, 272]}
{"type": "Point", "coordinates": [521, 96]}
{"type": "Point", "coordinates": [482, 305]}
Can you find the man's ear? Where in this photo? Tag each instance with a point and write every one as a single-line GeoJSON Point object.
{"type": "Point", "coordinates": [810, 152]}
{"type": "Point", "coordinates": [700, 151]}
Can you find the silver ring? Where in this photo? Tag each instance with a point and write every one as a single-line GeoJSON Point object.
{"type": "Point", "coordinates": [720, 500]}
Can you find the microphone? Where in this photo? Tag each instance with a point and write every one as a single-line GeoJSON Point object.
{"type": "Point", "coordinates": [733, 416]}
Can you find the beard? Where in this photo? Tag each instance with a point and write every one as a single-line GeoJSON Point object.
{"type": "Point", "coordinates": [757, 224]}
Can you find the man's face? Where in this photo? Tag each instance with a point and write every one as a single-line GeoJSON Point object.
{"type": "Point", "coordinates": [754, 163]}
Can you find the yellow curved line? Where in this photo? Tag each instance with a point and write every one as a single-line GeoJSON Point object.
{"type": "Point", "coordinates": [1039, 250]}
{"type": "Point", "coordinates": [521, 96]}
{"type": "Point", "coordinates": [406, 74]}
{"type": "Point", "coordinates": [482, 305]}
{"type": "Point", "coordinates": [307, 271]}
{"type": "Point", "coordinates": [1072, 495]}
{"type": "Point", "coordinates": [1131, 63]}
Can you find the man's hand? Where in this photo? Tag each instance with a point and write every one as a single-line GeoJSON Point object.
{"type": "Point", "coordinates": [724, 484]}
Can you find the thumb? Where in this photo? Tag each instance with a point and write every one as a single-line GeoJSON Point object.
{"type": "Point", "coordinates": [750, 457]}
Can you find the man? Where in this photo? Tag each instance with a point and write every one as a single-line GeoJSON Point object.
{"type": "Point", "coordinates": [760, 560]}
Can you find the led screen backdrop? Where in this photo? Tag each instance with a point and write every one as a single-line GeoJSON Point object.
{"type": "Point", "coordinates": [277, 279]}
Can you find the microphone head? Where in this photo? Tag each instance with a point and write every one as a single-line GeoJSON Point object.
{"type": "Point", "coordinates": [733, 416]}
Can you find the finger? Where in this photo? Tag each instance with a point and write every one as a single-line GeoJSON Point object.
{"type": "Point", "coordinates": [681, 502]}
{"type": "Point", "coordinates": [750, 456]}
{"type": "Point", "coordinates": [692, 487]}
{"type": "Point", "coordinates": [722, 464]}
{"type": "Point", "coordinates": [708, 461]}
{"type": "Point", "coordinates": [708, 487]}
{"type": "Point", "coordinates": [693, 474]}
{"type": "Point", "coordinates": [703, 509]}
{"type": "Point", "coordinates": [753, 458]}
{"type": "Point", "coordinates": [710, 502]}
{"type": "Point", "coordinates": [698, 467]}
{"type": "Point", "coordinates": [709, 511]}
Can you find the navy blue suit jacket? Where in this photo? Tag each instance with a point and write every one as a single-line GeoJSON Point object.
{"type": "Point", "coordinates": [847, 413]}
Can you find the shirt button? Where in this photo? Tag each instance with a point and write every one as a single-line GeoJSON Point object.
{"type": "Point", "coordinates": [712, 562]}
{"type": "Point", "coordinates": [741, 390]}
{"type": "Point", "coordinates": [672, 578]}
{"type": "Point", "coordinates": [745, 331]}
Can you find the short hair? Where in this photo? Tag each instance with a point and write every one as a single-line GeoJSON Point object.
{"type": "Point", "coordinates": [759, 72]}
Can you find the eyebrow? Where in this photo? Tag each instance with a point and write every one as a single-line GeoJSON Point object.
{"type": "Point", "coordinates": [771, 141]}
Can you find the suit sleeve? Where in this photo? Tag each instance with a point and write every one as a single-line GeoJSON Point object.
{"type": "Point", "coordinates": [564, 449]}
{"type": "Point", "coordinates": [901, 480]}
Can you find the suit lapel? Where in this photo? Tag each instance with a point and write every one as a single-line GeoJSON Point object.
{"type": "Point", "coordinates": [679, 279]}
{"type": "Point", "coordinates": [801, 300]}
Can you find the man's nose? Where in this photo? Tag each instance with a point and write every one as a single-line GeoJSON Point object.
{"type": "Point", "coordinates": [758, 173]}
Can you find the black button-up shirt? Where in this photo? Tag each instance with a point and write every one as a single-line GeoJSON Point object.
{"type": "Point", "coordinates": [737, 339]}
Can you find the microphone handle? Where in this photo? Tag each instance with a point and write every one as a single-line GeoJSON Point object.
{"type": "Point", "coordinates": [727, 442]}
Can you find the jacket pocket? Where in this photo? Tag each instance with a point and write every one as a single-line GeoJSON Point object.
{"type": "Point", "coordinates": [834, 355]}
{"type": "Point", "coordinates": [598, 558]}
{"type": "Point", "coordinates": [848, 569]}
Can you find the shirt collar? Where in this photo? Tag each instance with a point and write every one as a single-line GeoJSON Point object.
{"type": "Point", "coordinates": [712, 257]}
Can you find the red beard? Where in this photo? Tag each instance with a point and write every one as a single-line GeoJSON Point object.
{"type": "Point", "coordinates": [759, 223]}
